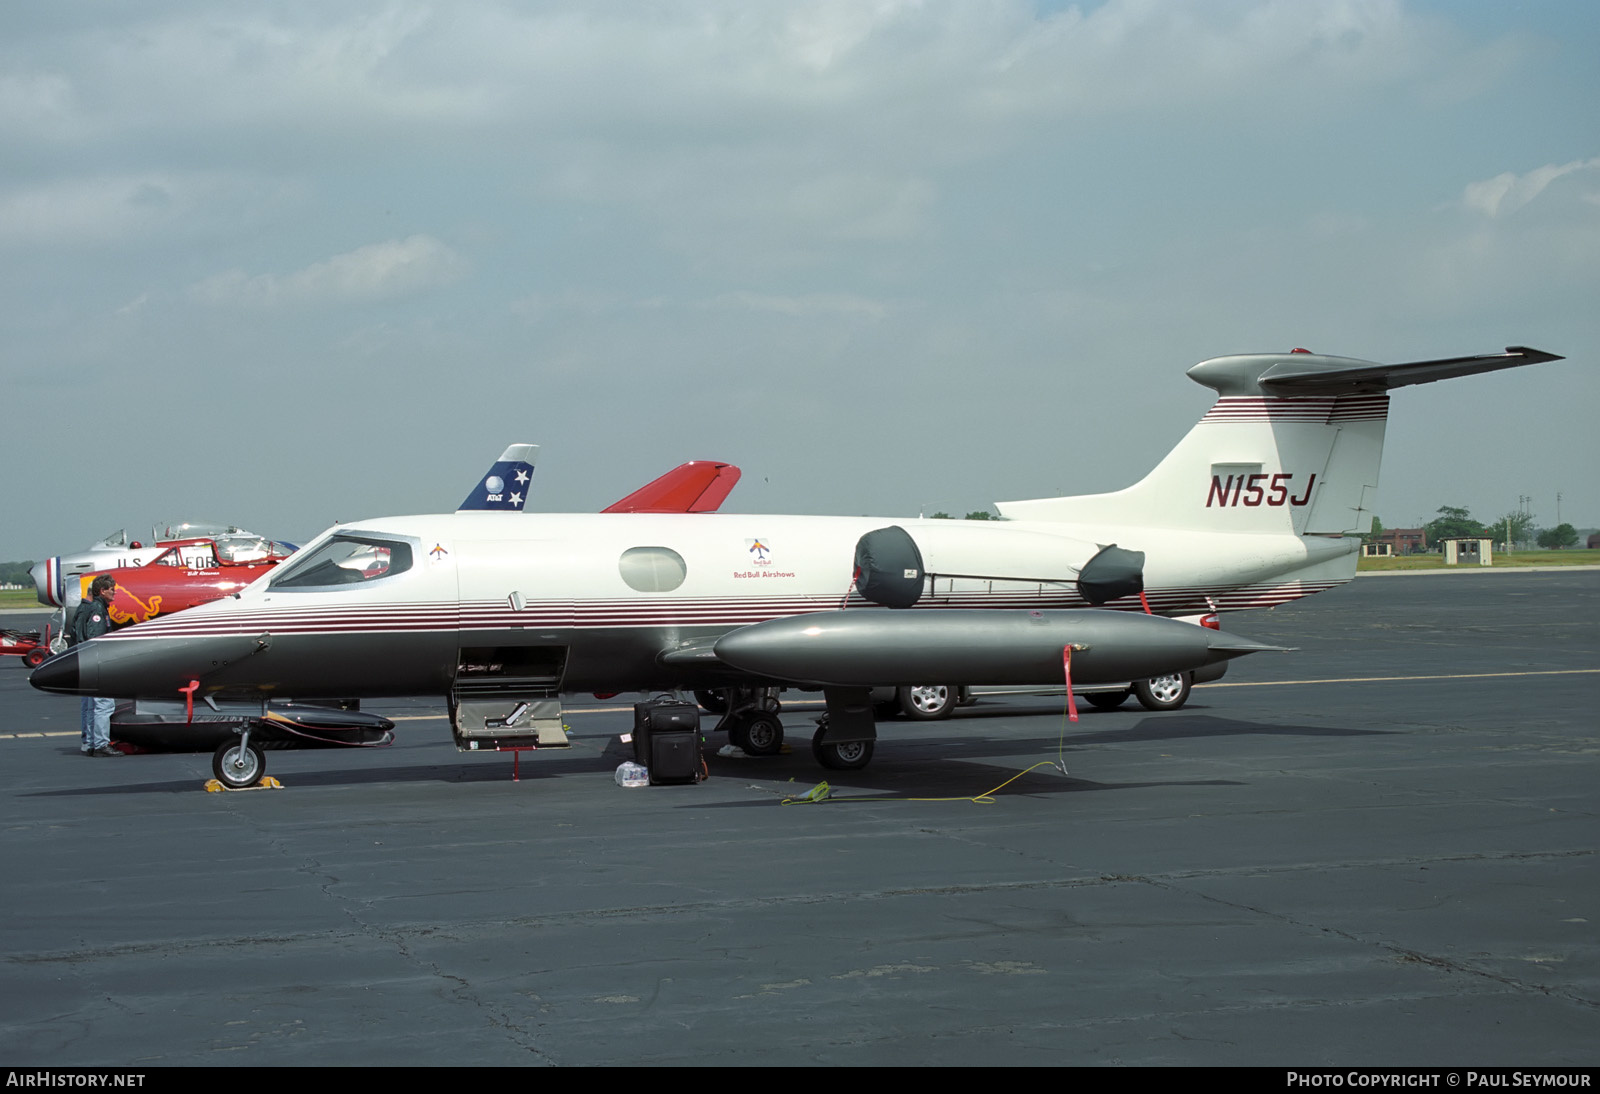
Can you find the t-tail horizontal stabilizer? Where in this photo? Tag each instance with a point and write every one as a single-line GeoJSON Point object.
{"type": "Point", "coordinates": [1301, 373]}
{"type": "Point", "coordinates": [1292, 446]}
{"type": "Point", "coordinates": [506, 485]}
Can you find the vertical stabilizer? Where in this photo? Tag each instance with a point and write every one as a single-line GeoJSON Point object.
{"type": "Point", "coordinates": [506, 485]}
{"type": "Point", "coordinates": [1292, 444]}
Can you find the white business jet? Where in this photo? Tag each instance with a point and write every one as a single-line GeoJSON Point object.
{"type": "Point", "coordinates": [1264, 501]}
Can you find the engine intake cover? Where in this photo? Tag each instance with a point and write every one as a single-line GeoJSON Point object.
{"type": "Point", "coordinates": [889, 568]}
{"type": "Point", "coordinates": [1113, 571]}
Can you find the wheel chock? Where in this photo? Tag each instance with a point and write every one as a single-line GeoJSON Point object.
{"type": "Point", "coordinates": [819, 793]}
{"type": "Point", "coordinates": [267, 783]}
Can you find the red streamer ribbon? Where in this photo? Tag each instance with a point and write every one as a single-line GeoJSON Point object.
{"type": "Point", "coordinates": [188, 700]}
{"type": "Point", "coordinates": [1066, 669]}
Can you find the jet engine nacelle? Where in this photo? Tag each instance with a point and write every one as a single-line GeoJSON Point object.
{"type": "Point", "coordinates": [893, 566]}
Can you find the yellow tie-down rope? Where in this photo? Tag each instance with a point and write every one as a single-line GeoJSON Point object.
{"type": "Point", "coordinates": [823, 792]}
{"type": "Point", "coordinates": [1069, 713]}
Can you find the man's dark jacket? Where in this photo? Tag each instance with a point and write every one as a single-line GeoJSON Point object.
{"type": "Point", "coordinates": [91, 620]}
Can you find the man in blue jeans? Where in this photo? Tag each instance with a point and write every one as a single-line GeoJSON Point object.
{"type": "Point", "coordinates": [92, 619]}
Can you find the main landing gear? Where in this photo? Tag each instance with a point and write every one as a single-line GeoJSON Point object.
{"type": "Point", "coordinates": [714, 701]}
{"type": "Point", "coordinates": [749, 716]}
{"type": "Point", "coordinates": [839, 755]}
{"type": "Point", "coordinates": [845, 736]}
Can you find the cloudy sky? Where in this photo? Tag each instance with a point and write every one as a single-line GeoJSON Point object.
{"type": "Point", "coordinates": [284, 264]}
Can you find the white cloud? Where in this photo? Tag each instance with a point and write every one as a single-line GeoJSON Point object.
{"type": "Point", "coordinates": [39, 104]}
{"type": "Point", "coordinates": [1507, 192]}
{"type": "Point", "coordinates": [222, 68]}
{"type": "Point", "coordinates": [134, 207]}
{"type": "Point", "coordinates": [913, 77]}
{"type": "Point", "coordinates": [536, 307]}
{"type": "Point", "coordinates": [823, 35]}
{"type": "Point", "coordinates": [376, 271]}
{"type": "Point", "coordinates": [744, 135]}
{"type": "Point", "coordinates": [1142, 55]}
{"type": "Point", "coordinates": [762, 207]}
{"type": "Point", "coordinates": [93, 210]}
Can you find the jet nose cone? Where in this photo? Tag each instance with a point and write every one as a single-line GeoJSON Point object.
{"type": "Point", "coordinates": [60, 673]}
{"type": "Point", "coordinates": [43, 586]}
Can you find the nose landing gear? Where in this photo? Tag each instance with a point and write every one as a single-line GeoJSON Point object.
{"type": "Point", "coordinates": [238, 764]}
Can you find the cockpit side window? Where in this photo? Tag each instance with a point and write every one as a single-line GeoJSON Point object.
{"type": "Point", "coordinates": [346, 560]}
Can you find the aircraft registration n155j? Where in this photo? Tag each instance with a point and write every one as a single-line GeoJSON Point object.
{"type": "Point", "coordinates": [1264, 501]}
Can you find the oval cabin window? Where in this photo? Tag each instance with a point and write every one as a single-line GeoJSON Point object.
{"type": "Point", "coordinates": [652, 569]}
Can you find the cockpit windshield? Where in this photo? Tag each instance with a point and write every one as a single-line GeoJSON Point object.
{"type": "Point", "coordinates": [239, 551]}
{"type": "Point", "coordinates": [346, 560]}
{"type": "Point", "coordinates": [196, 529]}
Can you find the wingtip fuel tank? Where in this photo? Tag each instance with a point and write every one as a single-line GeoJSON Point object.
{"type": "Point", "coordinates": [974, 646]}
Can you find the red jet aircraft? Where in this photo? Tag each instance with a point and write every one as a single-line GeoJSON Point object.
{"type": "Point", "coordinates": [189, 572]}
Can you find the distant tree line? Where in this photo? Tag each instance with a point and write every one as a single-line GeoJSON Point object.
{"type": "Point", "coordinates": [1512, 529]}
{"type": "Point", "coordinates": [1561, 536]}
{"type": "Point", "coordinates": [16, 573]}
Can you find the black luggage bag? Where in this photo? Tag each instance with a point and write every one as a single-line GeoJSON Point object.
{"type": "Point", "coordinates": [666, 739]}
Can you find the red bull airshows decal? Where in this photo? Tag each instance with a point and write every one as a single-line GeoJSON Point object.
{"type": "Point", "coordinates": [759, 553]}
